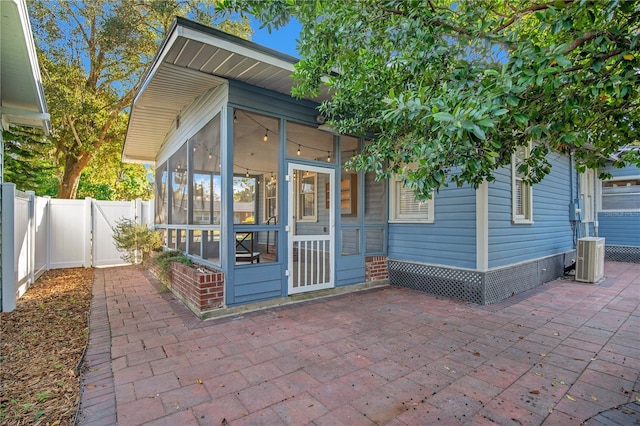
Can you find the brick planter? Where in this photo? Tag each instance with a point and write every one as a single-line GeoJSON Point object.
{"type": "Point", "coordinates": [200, 289]}
{"type": "Point", "coordinates": [375, 268]}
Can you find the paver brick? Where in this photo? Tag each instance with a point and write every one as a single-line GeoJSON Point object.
{"type": "Point", "coordinates": [391, 356]}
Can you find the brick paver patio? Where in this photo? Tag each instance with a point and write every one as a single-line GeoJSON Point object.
{"type": "Point", "coordinates": [563, 354]}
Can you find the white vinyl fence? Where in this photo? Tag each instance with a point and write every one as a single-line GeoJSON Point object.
{"type": "Point", "coordinates": [42, 233]}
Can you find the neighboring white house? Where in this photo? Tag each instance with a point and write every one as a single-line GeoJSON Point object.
{"type": "Point", "coordinates": [22, 101]}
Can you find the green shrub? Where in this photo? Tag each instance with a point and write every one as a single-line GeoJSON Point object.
{"type": "Point", "coordinates": [168, 256]}
{"type": "Point", "coordinates": [135, 241]}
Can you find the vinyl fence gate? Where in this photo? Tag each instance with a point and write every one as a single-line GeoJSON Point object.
{"type": "Point", "coordinates": [42, 233]}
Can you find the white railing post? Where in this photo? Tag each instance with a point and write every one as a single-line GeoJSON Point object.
{"type": "Point", "coordinates": [137, 211]}
{"type": "Point", "coordinates": [8, 247]}
{"type": "Point", "coordinates": [88, 232]}
{"type": "Point", "coordinates": [46, 221]}
{"type": "Point", "coordinates": [31, 236]}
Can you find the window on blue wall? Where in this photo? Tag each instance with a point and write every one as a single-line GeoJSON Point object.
{"type": "Point", "coordinates": [403, 205]}
{"type": "Point", "coordinates": [621, 194]}
{"type": "Point", "coordinates": [587, 194]}
{"type": "Point", "coordinates": [521, 192]}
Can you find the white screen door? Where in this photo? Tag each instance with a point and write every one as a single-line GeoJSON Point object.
{"type": "Point", "coordinates": [311, 226]}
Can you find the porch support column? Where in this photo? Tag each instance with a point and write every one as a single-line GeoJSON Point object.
{"type": "Point", "coordinates": [227, 237]}
{"type": "Point", "coordinates": [482, 227]}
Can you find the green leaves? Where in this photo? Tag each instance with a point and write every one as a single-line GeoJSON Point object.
{"type": "Point", "coordinates": [93, 54]}
{"type": "Point", "coordinates": [443, 116]}
{"type": "Point", "coordinates": [455, 86]}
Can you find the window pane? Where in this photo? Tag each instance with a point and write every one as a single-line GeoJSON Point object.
{"type": "Point", "coordinates": [408, 203]}
{"type": "Point", "coordinates": [307, 190]}
{"type": "Point", "coordinates": [374, 240]}
{"type": "Point", "coordinates": [178, 164]}
{"type": "Point", "coordinates": [195, 241]}
{"type": "Point", "coordinates": [621, 195]}
{"type": "Point", "coordinates": [519, 199]}
{"type": "Point", "coordinates": [253, 248]}
{"type": "Point", "coordinates": [162, 193]}
{"type": "Point", "coordinates": [350, 242]}
{"type": "Point", "coordinates": [211, 245]}
{"type": "Point", "coordinates": [256, 160]}
{"type": "Point", "coordinates": [309, 143]}
{"type": "Point", "coordinates": [375, 200]}
{"type": "Point", "coordinates": [349, 198]}
{"type": "Point", "coordinates": [204, 148]}
{"type": "Point", "coordinates": [244, 197]}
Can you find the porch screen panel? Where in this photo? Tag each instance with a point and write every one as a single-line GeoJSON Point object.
{"type": "Point", "coordinates": [179, 189]}
{"type": "Point", "coordinates": [162, 193]}
{"type": "Point", "coordinates": [255, 168]}
{"type": "Point", "coordinates": [204, 147]}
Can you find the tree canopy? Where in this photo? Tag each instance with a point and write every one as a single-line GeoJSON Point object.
{"type": "Point", "coordinates": [451, 88]}
{"type": "Point", "coordinates": [93, 54]}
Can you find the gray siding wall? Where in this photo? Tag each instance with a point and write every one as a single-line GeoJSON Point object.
{"type": "Point", "coordinates": [449, 241]}
{"type": "Point", "coordinates": [551, 231]}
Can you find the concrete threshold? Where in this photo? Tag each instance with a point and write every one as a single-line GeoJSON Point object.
{"type": "Point", "coordinates": [290, 300]}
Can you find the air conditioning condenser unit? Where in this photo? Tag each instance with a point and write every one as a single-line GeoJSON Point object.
{"type": "Point", "coordinates": [590, 260]}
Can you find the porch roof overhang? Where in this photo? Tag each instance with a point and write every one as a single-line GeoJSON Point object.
{"type": "Point", "coordinates": [193, 60]}
{"type": "Point", "coordinates": [22, 100]}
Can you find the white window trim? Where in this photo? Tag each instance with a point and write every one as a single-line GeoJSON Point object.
{"type": "Point", "coordinates": [394, 206]}
{"type": "Point", "coordinates": [588, 188]}
{"type": "Point", "coordinates": [527, 217]}
{"type": "Point", "coordinates": [266, 182]}
{"type": "Point", "coordinates": [314, 217]}
{"type": "Point", "coordinates": [617, 178]}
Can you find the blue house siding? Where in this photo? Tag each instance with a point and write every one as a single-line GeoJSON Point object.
{"type": "Point", "coordinates": [271, 103]}
{"type": "Point", "coordinates": [628, 171]}
{"type": "Point", "coordinates": [620, 228]}
{"type": "Point", "coordinates": [449, 241]}
{"type": "Point", "coordinates": [550, 233]}
{"type": "Point", "coordinates": [256, 283]}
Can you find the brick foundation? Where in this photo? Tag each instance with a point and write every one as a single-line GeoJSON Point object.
{"type": "Point", "coordinates": [375, 268]}
{"type": "Point", "coordinates": [200, 289]}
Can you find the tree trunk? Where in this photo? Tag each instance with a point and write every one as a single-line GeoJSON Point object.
{"type": "Point", "coordinates": [68, 188]}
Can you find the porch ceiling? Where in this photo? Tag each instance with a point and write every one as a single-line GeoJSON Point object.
{"type": "Point", "coordinates": [193, 60]}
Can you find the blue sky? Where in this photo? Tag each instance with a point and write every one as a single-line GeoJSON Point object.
{"type": "Point", "coordinates": [283, 39]}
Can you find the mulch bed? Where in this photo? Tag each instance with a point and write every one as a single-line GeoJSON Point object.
{"type": "Point", "coordinates": [41, 344]}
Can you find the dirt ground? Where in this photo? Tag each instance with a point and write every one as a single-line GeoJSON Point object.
{"type": "Point", "coordinates": [41, 344]}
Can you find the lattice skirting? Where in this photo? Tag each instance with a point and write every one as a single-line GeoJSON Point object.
{"type": "Point", "coordinates": [478, 287]}
{"type": "Point", "coordinates": [622, 253]}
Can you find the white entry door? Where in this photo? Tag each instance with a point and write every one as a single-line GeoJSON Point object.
{"type": "Point", "coordinates": [310, 228]}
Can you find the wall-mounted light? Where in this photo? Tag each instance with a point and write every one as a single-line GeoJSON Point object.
{"type": "Point", "coordinates": [266, 135]}
{"type": "Point", "coordinates": [328, 157]}
{"type": "Point", "coordinates": [298, 153]}
{"type": "Point", "coordinates": [247, 175]}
